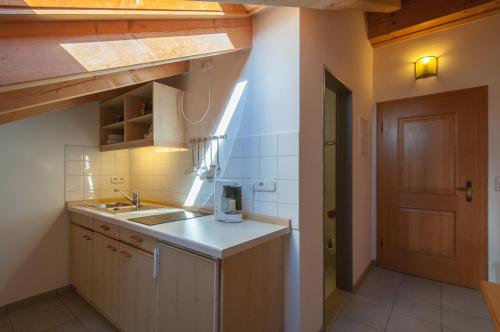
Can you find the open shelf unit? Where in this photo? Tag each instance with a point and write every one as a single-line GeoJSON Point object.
{"type": "Point", "coordinates": [145, 116]}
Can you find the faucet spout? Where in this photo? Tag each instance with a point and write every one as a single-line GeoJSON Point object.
{"type": "Point", "coordinates": [134, 199]}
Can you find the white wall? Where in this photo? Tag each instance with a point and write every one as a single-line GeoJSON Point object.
{"type": "Point", "coordinates": [468, 57]}
{"type": "Point", "coordinates": [338, 41]}
{"type": "Point", "coordinates": [33, 223]}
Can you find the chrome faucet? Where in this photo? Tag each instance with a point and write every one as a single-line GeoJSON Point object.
{"type": "Point", "coordinates": [135, 199]}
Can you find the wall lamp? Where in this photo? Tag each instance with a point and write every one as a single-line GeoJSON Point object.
{"type": "Point", "coordinates": [426, 67]}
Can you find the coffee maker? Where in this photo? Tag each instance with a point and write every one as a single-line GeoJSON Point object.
{"type": "Point", "coordinates": [228, 201]}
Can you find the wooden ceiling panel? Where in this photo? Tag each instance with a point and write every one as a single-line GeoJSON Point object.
{"type": "Point", "coordinates": [67, 50]}
{"type": "Point", "coordinates": [420, 17]}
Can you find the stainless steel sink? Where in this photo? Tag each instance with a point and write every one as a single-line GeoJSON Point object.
{"type": "Point", "coordinates": [125, 207]}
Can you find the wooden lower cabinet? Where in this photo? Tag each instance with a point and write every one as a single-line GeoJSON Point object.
{"type": "Point", "coordinates": [188, 291]}
{"type": "Point", "coordinates": [105, 276]}
{"type": "Point", "coordinates": [80, 265]}
{"type": "Point", "coordinates": [137, 291]}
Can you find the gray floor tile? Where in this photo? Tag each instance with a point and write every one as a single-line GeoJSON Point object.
{"type": "Point", "coordinates": [347, 325]}
{"type": "Point", "coordinates": [43, 320]}
{"type": "Point", "coordinates": [422, 289]}
{"type": "Point", "coordinates": [411, 306]}
{"type": "Point", "coordinates": [468, 301]}
{"type": "Point", "coordinates": [70, 326]}
{"type": "Point", "coordinates": [4, 320]}
{"type": "Point", "coordinates": [402, 323]}
{"type": "Point", "coordinates": [462, 322]}
{"type": "Point", "coordinates": [89, 317]}
{"type": "Point", "coordinates": [69, 297]}
{"type": "Point", "coordinates": [33, 308]}
{"type": "Point", "coordinates": [362, 311]}
{"type": "Point", "coordinates": [379, 288]}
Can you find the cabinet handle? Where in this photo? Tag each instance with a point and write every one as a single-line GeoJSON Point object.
{"type": "Point", "coordinates": [136, 238]}
{"type": "Point", "coordinates": [112, 248]}
{"type": "Point", "coordinates": [86, 237]}
{"type": "Point", "coordinates": [106, 228]}
{"type": "Point", "coordinates": [126, 254]}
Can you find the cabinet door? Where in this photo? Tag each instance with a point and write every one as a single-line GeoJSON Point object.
{"type": "Point", "coordinates": [80, 264]}
{"type": "Point", "coordinates": [105, 276]}
{"type": "Point", "coordinates": [137, 291]}
{"type": "Point", "coordinates": [188, 292]}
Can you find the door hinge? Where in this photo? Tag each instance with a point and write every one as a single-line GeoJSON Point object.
{"type": "Point", "coordinates": [381, 243]}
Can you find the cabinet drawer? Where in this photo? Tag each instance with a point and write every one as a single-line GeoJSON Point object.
{"type": "Point", "coordinates": [106, 228]}
{"type": "Point", "coordinates": [80, 219]}
{"type": "Point", "coordinates": [138, 240]}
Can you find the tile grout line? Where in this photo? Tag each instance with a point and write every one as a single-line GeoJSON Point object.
{"type": "Point", "coordinates": [74, 315]}
{"type": "Point", "coordinates": [393, 303]}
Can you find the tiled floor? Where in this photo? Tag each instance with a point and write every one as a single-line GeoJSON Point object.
{"type": "Point", "coordinates": [58, 313]}
{"type": "Point", "coordinates": [389, 301]}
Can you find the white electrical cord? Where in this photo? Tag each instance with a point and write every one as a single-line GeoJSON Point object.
{"type": "Point", "coordinates": [183, 95]}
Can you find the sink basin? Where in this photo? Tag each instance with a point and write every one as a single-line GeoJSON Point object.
{"type": "Point", "coordinates": [125, 207]}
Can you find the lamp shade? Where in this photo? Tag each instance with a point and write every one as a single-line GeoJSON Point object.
{"type": "Point", "coordinates": [426, 66]}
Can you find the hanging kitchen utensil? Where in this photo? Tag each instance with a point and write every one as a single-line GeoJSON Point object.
{"type": "Point", "coordinates": [203, 170]}
{"type": "Point", "coordinates": [193, 167]}
{"type": "Point", "coordinates": [211, 169]}
{"type": "Point", "coordinates": [218, 163]}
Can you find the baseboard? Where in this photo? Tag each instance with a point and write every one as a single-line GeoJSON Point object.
{"type": "Point", "coordinates": [46, 295]}
{"type": "Point", "coordinates": [370, 266]}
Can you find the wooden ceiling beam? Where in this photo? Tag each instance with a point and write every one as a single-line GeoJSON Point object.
{"type": "Point", "coordinates": [365, 5]}
{"type": "Point", "coordinates": [36, 53]}
{"type": "Point", "coordinates": [27, 99]}
{"type": "Point", "coordinates": [420, 17]}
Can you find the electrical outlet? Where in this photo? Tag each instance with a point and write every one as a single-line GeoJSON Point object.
{"type": "Point", "coordinates": [117, 179]}
{"type": "Point", "coordinates": [268, 186]}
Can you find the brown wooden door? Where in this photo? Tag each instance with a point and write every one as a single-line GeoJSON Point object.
{"type": "Point", "coordinates": [430, 150]}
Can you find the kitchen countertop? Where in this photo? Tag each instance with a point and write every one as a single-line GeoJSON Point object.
{"type": "Point", "coordinates": [204, 235]}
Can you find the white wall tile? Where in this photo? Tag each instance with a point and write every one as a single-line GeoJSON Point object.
{"type": "Point", "coordinates": [288, 144]}
{"type": "Point", "coordinates": [73, 196]}
{"type": "Point", "coordinates": [91, 153]}
{"type": "Point", "coordinates": [268, 168]}
{"type": "Point", "coordinates": [108, 168]}
{"type": "Point", "coordinates": [268, 209]}
{"type": "Point", "coordinates": [108, 193]}
{"type": "Point", "coordinates": [250, 168]}
{"type": "Point", "coordinates": [73, 152]}
{"type": "Point", "coordinates": [108, 156]}
{"type": "Point", "coordinates": [289, 211]}
{"type": "Point", "coordinates": [268, 145]}
{"type": "Point", "coordinates": [72, 167]}
{"type": "Point", "coordinates": [105, 182]}
{"type": "Point", "coordinates": [249, 205]}
{"type": "Point", "coordinates": [91, 168]}
{"type": "Point", "coordinates": [229, 148]}
{"type": "Point", "coordinates": [91, 194]}
{"type": "Point", "coordinates": [288, 191]}
{"type": "Point", "coordinates": [91, 183]}
{"type": "Point", "coordinates": [122, 155]}
{"type": "Point", "coordinates": [74, 183]}
{"type": "Point", "coordinates": [122, 168]}
{"type": "Point", "coordinates": [288, 168]}
{"type": "Point", "coordinates": [268, 196]}
{"type": "Point", "coordinates": [250, 146]}
{"type": "Point", "coordinates": [231, 168]}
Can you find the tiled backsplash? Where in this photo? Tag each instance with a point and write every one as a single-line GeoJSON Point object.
{"type": "Point", "coordinates": [88, 172]}
{"type": "Point", "coordinates": [159, 174]}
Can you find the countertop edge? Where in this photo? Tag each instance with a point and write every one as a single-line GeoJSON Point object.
{"type": "Point", "coordinates": [184, 242]}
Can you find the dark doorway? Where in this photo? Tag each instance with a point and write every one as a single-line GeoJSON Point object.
{"type": "Point", "coordinates": [337, 193]}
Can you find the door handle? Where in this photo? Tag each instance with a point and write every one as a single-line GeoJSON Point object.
{"type": "Point", "coordinates": [467, 189]}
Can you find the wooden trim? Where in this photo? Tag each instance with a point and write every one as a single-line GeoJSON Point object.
{"type": "Point", "coordinates": [12, 101]}
{"type": "Point", "coordinates": [424, 17]}
{"type": "Point", "coordinates": [482, 231]}
{"type": "Point", "coordinates": [268, 219]}
{"type": "Point", "coordinates": [491, 295]}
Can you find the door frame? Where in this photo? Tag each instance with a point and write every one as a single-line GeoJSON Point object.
{"type": "Point", "coordinates": [480, 214]}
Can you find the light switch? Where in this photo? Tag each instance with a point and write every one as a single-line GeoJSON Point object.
{"type": "Point", "coordinates": [268, 186]}
{"type": "Point", "coordinates": [497, 183]}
